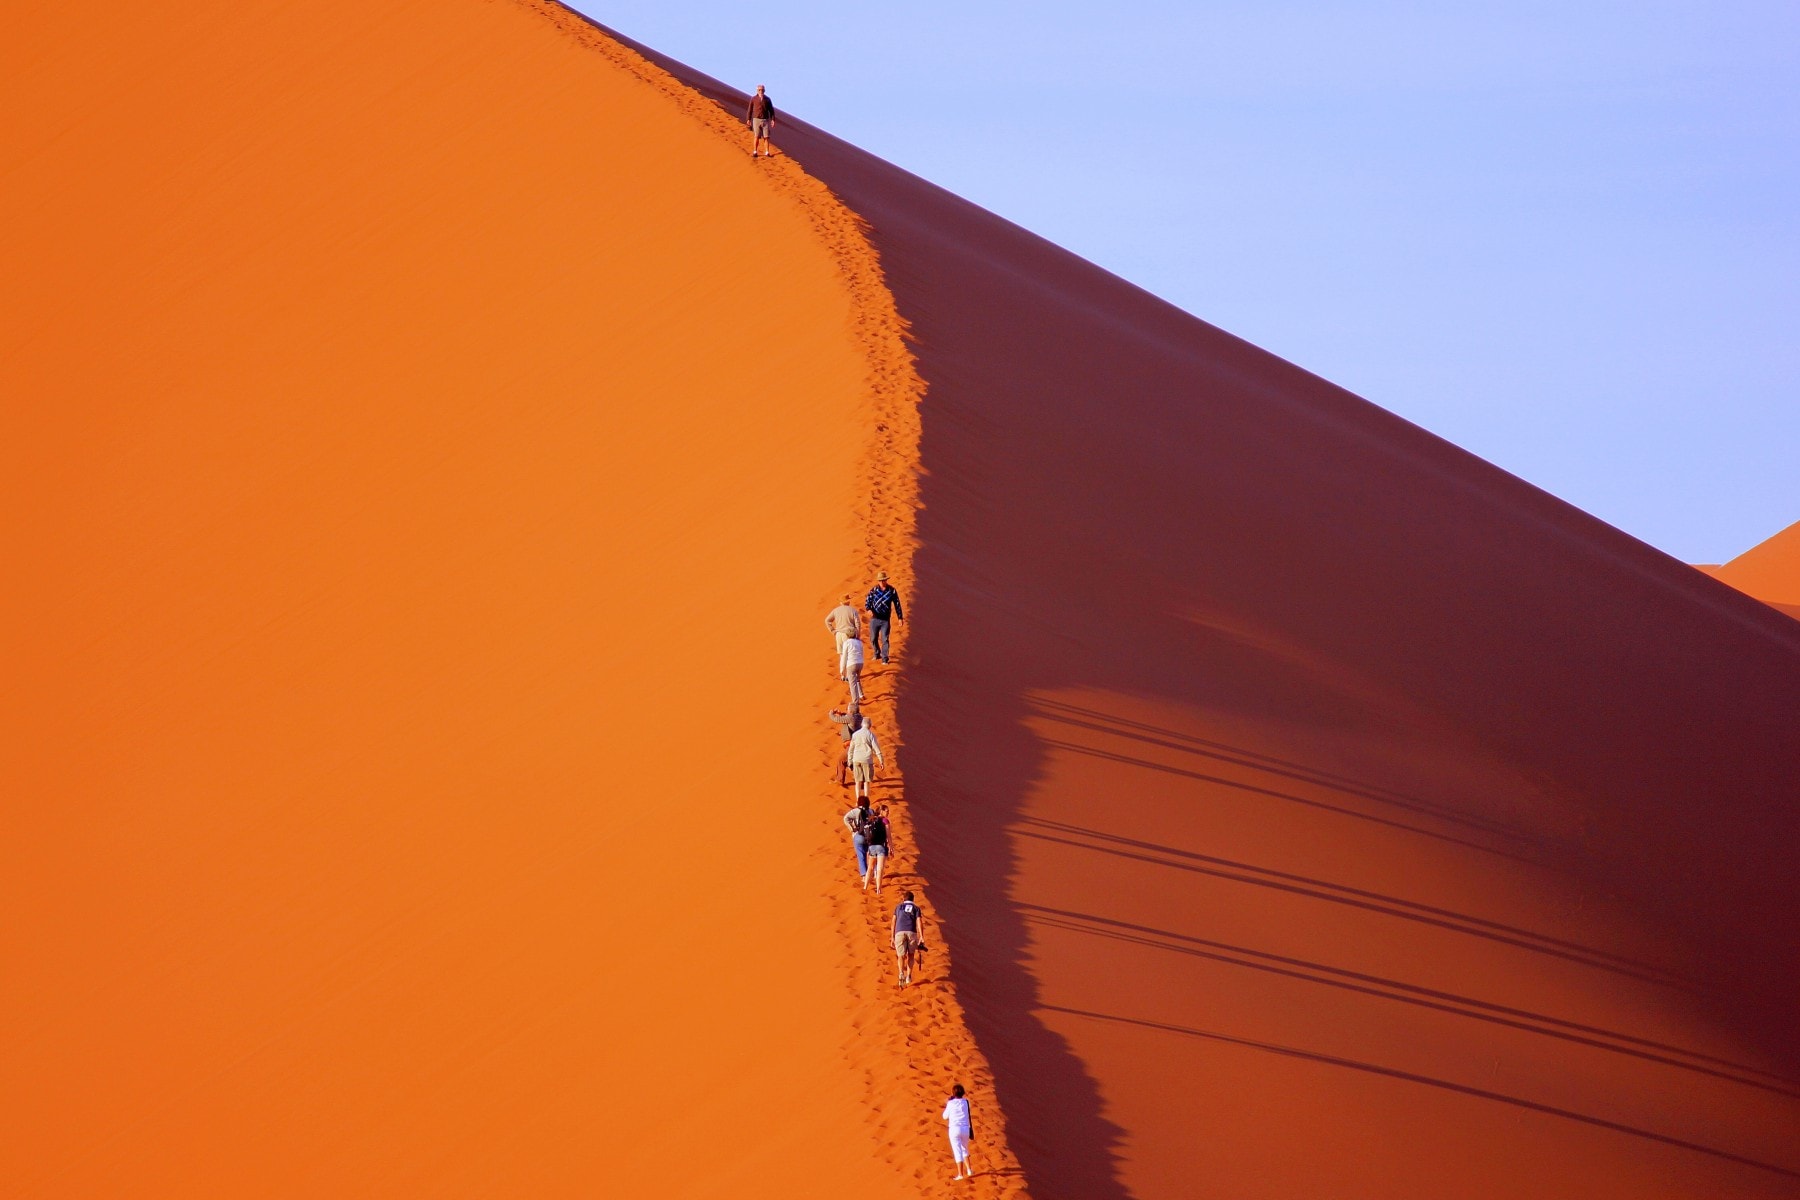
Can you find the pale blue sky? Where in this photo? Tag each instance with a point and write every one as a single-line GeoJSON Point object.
{"type": "Point", "coordinates": [1565, 236]}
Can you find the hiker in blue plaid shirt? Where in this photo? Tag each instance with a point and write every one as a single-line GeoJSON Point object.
{"type": "Point", "coordinates": [884, 605]}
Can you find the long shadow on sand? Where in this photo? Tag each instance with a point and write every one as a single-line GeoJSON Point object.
{"type": "Point", "coordinates": [1351, 1064]}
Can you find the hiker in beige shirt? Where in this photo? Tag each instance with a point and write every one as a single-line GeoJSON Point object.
{"type": "Point", "coordinates": [844, 622]}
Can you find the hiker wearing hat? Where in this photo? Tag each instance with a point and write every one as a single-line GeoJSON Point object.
{"type": "Point", "coordinates": [843, 622]}
{"type": "Point", "coordinates": [883, 604]}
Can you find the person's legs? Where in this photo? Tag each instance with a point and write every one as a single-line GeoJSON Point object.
{"type": "Point", "coordinates": [878, 637]}
{"type": "Point", "coordinates": [862, 856]}
{"type": "Point", "coordinates": [879, 865]}
{"type": "Point", "coordinates": [900, 956]}
{"type": "Point", "coordinates": [856, 692]}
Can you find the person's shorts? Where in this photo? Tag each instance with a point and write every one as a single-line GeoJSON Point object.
{"type": "Point", "coordinates": [761, 127]}
{"type": "Point", "coordinates": [879, 851]}
{"type": "Point", "coordinates": [862, 772]}
{"type": "Point", "coordinates": [904, 940]}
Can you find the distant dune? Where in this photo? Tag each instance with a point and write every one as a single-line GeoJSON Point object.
{"type": "Point", "coordinates": [1770, 571]}
{"type": "Point", "coordinates": [436, 443]}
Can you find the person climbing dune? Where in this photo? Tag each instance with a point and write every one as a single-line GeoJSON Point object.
{"type": "Point", "coordinates": [850, 668]}
{"type": "Point", "coordinates": [761, 115]}
{"type": "Point", "coordinates": [848, 721]}
{"type": "Point", "coordinates": [843, 622]}
{"type": "Point", "coordinates": [878, 844]}
{"type": "Point", "coordinates": [883, 603]}
{"type": "Point", "coordinates": [909, 933]}
{"type": "Point", "coordinates": [864, 754]}
{"type": "Point", "coordinates": [857, 821]}
{"type": "Point", "coordinates": [962, 1130]}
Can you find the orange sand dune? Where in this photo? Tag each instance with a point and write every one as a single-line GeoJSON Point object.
{"type": "Point", "coordinates": [1317, 810]}
{"type": "Point", "coordinates": [1770, 571]}
{"type": "Point", "coordinates": [428, 452]}
{"type": "Point", "coordinates": [429, 491]}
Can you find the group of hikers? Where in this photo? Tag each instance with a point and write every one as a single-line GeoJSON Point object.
{"type": "Point", "coordinates": [870, 836]}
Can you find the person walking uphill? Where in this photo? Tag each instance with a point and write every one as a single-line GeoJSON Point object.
{"type": "Point", "coordinates": [909, 935]}
{"type": "Point", "coordinates": [761, 115]}
{"type": "Point", "coordinates": [876, 841]}
{"type": "Point", "coordinates": [848, 722]}
{"type": "Point", "coordinates": [883, 603]}
{"type": "Point", "coordinates": [843, 622]}
{"type": "Point", "coordinates": [857, 821]}
{"type": "Point", "coordinates": [850, 665]}
{"type": "Point", "coordinates": [865, 752]}
{"type": "Point", "coordinates": [962, 1130]}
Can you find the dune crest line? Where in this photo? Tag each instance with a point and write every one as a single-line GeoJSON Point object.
{"type": "Point", "coordinates": [912, 1045]}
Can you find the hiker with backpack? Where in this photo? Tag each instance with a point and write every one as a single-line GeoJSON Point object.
{"type": "Point", "coordinates": [877, 839]}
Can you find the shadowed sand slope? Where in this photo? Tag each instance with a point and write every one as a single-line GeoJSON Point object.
{"type": "Point", "coordinates": [1770, 571]}
{"type": "Point", "coordinates": [1316, 809]}
{"type": "Point", "coordinates": [425, 450]}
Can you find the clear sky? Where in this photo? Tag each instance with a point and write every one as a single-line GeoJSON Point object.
{"type": "Point", "coordinates": [1565, 236]}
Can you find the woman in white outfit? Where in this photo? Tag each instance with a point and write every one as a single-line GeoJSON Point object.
{"type": "Point", "coordinates": [956, 1116]}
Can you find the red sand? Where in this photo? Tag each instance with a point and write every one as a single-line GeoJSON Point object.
{"type": "Point", "coordinates": [439, 445]}
{"type": "Point", "coordinates": [1319, 810]}
{"type": "Point", "coordinates": [1770, 571]}
{"type": "Point", "coordinates": [433, 492]}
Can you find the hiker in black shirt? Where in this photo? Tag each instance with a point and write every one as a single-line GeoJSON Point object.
{"type": "Point", "coordinates": [883, 603]}
{"type": "Point", "coordinates": [761, 115]}
{"type": "Point", "coordinates": [909, 934]}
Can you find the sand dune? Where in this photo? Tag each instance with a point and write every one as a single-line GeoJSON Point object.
{"type": "Point", "coordinates": [1770, 571]}
{"type": "Point", "coordinates": [441, 441]}
{"type": "Point", "coordinates": [428, 451]}
{"type": "Point", "coordinates": [1325, 811]}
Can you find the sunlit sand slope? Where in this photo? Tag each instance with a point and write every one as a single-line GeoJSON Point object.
{"type": "Point", "coordinates": [1317, 810]}
{"type": "Point", "coordinates": [1770, 571]}
{"type": "Point", "coordinates": [425, 452]}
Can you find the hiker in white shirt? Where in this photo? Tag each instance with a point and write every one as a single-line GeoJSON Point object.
{"type": "Point", "coordinates": [850, 664]}
{"type": "Point", "coordinates": [962, 1131]}
{"type": "Point", "coordinates": [865, 752]}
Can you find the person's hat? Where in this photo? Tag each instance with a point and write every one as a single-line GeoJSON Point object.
{"type": "Point", "coordinates": [881, 577]}
{"type": "Point", "coordinates": [846, 597]}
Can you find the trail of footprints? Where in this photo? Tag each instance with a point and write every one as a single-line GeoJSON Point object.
{"type": "Point", "coordinates": [910, 1044]}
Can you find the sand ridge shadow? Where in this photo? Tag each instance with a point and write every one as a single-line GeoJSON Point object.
{"type": "Point", "coordinates": [1336, 893]}
{"type": "Point", "coordinates": [1363, 983]}
{"type": "Point", "coordinates": [1443, 1084]}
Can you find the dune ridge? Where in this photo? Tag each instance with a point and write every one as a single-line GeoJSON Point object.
{"type": "Point", "coordinates": [430, 434]}
{"type": "Point", "coordinates": [1324, 810]}
{"type": "Point", "coordinates": [1769, 571]}
{"type": "Point", "coordinates": [912, 1044]}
